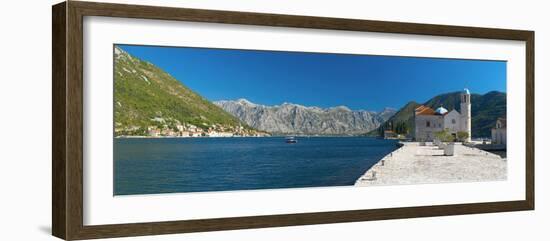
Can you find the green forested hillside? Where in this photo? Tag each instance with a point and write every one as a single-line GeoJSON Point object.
{"type": "Point", "coordinates": [401, 120]}
{"type": "Point", "coordinates": [485, 111]}
{"type": "Point", "coordinates": [147, 96]}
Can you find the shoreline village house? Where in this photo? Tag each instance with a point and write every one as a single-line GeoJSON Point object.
{"type": "Point", "coordinates": [428, 121]}
{"type": "Point", "coordinates": [498, 134]}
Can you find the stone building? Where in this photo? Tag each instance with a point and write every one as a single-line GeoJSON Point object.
{"type": "Point", "coordinates": [389, 134]}
{"type": "Point", "coordinates": [428, 121]}
{"type": "Point", "coordinates": [498, 134]}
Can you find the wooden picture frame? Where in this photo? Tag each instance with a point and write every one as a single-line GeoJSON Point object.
{"type": "Point", "coordinates": [67, 150]}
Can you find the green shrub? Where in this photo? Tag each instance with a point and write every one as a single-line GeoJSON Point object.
{"type": "Point", "coordinates": [462, 135]}
{"type": "Point", "coordinates": [444, 136]}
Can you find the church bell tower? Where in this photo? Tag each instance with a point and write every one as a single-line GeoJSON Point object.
{"type": "Point", "coordinates": [466, 113]}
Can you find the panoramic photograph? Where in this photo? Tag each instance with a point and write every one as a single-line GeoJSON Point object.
{"type": "Point", "coordinates": [190, 119]}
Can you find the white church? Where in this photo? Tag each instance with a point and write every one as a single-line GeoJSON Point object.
{"type": "Point", "coordinates": [429, 121]}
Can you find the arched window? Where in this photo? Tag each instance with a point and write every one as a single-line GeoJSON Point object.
{"type": "Point", "coordinates": [453, 121]}
{"type": "Point", "coordinates": [427, 123]}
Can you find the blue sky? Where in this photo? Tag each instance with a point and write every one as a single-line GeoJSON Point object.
{"type": "Point", "coordinates": [318, 79]}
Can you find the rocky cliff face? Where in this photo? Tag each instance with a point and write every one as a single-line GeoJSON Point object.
{"type": "Point", "coordinates": [297, 119]}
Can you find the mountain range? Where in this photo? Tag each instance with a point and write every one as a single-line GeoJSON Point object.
{"type": "Point", "coordinates": [289, 118]}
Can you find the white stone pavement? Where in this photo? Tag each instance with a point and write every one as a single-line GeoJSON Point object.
{"type": "Point", "coordinates": [415, 164]}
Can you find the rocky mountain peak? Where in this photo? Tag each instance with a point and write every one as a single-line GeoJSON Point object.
{"type": "Point", "coordinates": [244, 101]}
{"type": "Point", "coordinates": [340, 108]}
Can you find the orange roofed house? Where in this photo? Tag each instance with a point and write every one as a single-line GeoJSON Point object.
{"type": "Point", "coordinates": [428, 121]}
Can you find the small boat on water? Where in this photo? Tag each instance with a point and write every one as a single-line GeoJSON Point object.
{"type": "Point", "coordinates": [291, 140]}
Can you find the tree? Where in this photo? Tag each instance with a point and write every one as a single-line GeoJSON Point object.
{"type": "Point", "coordinates": [398, 128]}
{"type": "Point", "coordinates": [462, 135]}
{"type": "Point", "coordinates": [402, 128]}
{"type": "Point", "coordinates": [444, 136]}
{"type": "Point", "coordinates": [384, 127]}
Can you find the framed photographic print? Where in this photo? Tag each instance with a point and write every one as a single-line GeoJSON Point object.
{"type": "Point", "coordinates": [171, 120]}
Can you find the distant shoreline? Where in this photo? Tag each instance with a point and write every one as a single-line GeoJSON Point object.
{"type": "Point", "coordinates": [205, 137]}
{"type": "Point", "coordinates": [182, 137]}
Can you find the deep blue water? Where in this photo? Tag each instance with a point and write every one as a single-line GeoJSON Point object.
{"type": "Point", "coordinates": [168, 165]}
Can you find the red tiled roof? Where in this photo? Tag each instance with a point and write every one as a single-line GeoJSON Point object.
{"type": "Point", "coordinates": [424, 110]}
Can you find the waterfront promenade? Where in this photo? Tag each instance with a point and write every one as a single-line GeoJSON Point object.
{"type": "Point", "coordinates": [415, 164]}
